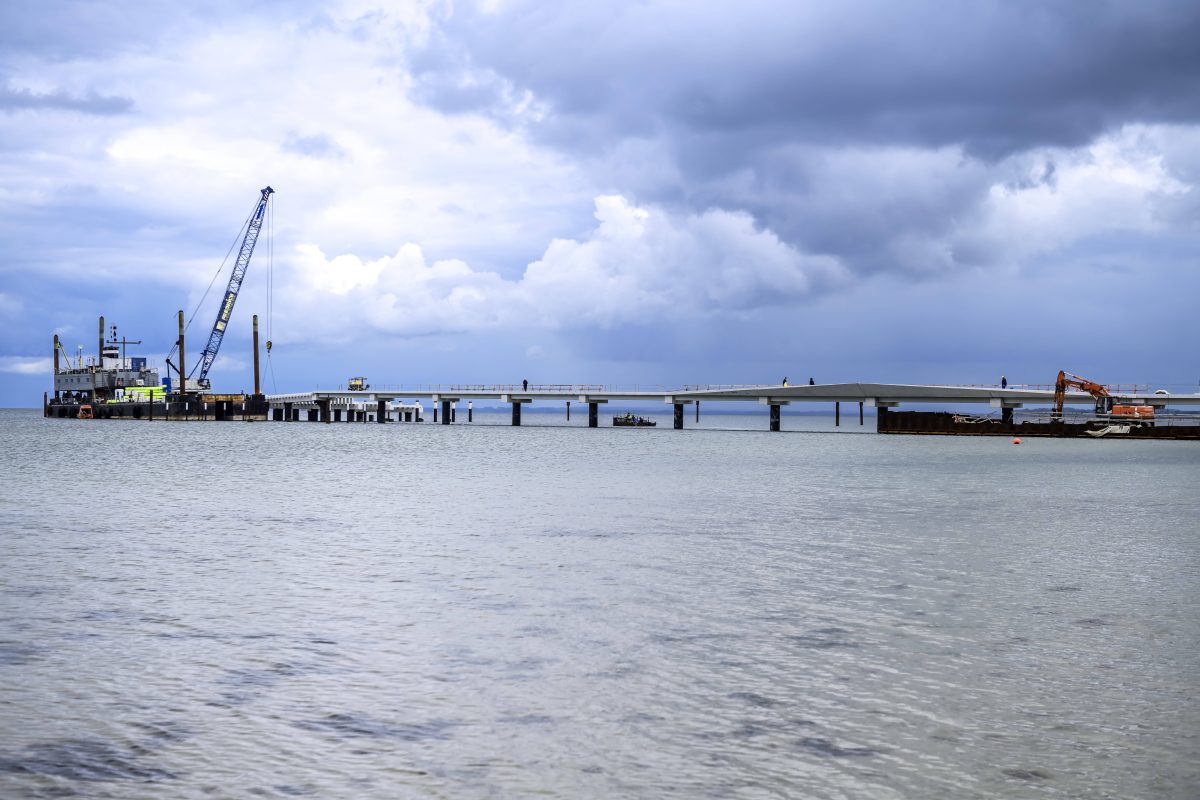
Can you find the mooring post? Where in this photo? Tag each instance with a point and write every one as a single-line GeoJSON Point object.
{"type": "Point", "coordinates": [182, 362]}
{"type": "Point", "coordinates": [516, 413]}
{"type": "Point", "coordinates": [381, 411]}
{"type": "Point", "coordinates": [860, 412]}
{"type": "Point", "coordinates": [774, 416]}
{"type": "Point", "coordinates": [257, 382]}
{"type": "Point", "coordinates": [593, 415]}
{"type": "Point", "coordinates": [454, 411]}
{"type": "Point", "coordinates": [435, 411]}
{"type": "Point", "coordinates": [56, 348]}
{"type": "Point", "coordinates": [445, 412]}
{"type": "Point", "coordinates": [470, 411]}
{"type": "Point", "coordinates": [697, 411]}
{"type": "Point", "coordinates": [287, 412]}
{"type": "Point", "coordinates": [568, 411]}
{"type": "Point", "coordinates": [679, 416]}
{"type": "Point", "coordinates": [837, 414]}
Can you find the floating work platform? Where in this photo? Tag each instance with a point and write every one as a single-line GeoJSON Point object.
{"type": "Point", "coordinates": [198, 407]}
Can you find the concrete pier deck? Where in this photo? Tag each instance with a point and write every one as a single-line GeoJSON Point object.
{"type": "Point", "coordinates": [376, 404]}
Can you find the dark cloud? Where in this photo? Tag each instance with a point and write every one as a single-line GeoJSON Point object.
{"type": "Point", "coordinates": [865, 129]}
{"type": "Point", "coordinates": [315, 146]}
{"type": "Point", "coordinates": [90, 103]}
{"type": "Point", "coordinates": [993, 77]}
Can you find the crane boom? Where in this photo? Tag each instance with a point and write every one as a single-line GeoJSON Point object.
{"type": "Point", "coordinates": [225, 310]}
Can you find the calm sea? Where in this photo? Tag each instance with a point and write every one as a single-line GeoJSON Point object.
{"type": "Point", "coordinates": [194, 610]}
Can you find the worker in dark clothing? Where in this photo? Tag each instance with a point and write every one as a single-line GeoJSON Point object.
{"type": "Point", "coordinates": [1003, 382]}
{"type": "Point", "coordinates": [525, 385]}
{"type": "Point", "coordinates": [811, 382]}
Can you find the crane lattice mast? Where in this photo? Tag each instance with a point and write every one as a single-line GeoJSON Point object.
{"type": "Point", "coordinates": [225, 311]}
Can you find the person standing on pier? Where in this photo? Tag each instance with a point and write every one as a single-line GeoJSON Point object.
{"type": "Point", "coordinates": [785, 380]}
{"type": "Point", "coordinates": [525, 385]}
{"type": "Point", "coordinates": [811, 382]}
{"type": "Point", "coordinates": [1003, 382]}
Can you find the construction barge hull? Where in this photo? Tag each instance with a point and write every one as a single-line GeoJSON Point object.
{"type": "Point", "coordinates": [217, 408]}
{"type": "Point", "coordinates": [937, 423]}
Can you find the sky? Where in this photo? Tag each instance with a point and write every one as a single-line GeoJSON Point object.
{"type": "Point", "coordinates": [654, 192]}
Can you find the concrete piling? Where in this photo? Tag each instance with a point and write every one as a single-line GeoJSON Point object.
{"type": "Point", "coordinates": [381, 411]}
{"type": "Point", "coordinates": [678, 421]}
{"type": "Point", "coordinates": [516, 414]}
{"type": "Point", "coordinates": [593, 415]}
{"type": "Point", "coordinates": [257, 382]}
{"type": "Point", "coordinates": [775, 416]}
{"type": "Point", "coordinates": [445, 412]}
{"type": "Point", "coordinates": [860, 412]}
{"type": "Point", "coordinates": [470, 411]}
{"type": "Point", "coordinates": [837, 414]}
{"type": "Point", "coordinates": [182, 358]}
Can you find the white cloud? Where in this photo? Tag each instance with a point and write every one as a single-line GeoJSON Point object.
{"type": "Point", "coordinates": [26, 365]}
{"type": "Point", "coordinates": [637, 264]}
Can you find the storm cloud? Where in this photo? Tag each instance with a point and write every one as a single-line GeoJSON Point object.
{"type": "Point", "coordinates": [876, 132]}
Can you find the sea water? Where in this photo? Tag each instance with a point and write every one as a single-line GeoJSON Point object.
{"type": "Point", "coordinates": [193, 610]}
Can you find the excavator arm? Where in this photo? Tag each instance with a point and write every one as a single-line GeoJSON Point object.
{"type": "Point", "coordinates": [1065, 381]}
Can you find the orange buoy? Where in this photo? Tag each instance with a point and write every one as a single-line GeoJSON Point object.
{"type": "Point", "coordinates": [1017, 440]}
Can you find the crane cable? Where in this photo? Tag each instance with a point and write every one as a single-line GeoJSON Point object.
{"type": "Point", "coordinates": [211, 283]}
{"type": "Point", "coordinates": [271, 291]}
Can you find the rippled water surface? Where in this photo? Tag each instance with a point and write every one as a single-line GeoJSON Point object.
{"type": "Point", "coordinates": [373, 611]}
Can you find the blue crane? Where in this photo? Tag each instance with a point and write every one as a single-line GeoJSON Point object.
{"type": "Point", "coordinates": [225, 311]}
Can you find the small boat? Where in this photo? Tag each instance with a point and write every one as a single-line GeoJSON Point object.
{"type": "Point", "coordinates": [632, 421]}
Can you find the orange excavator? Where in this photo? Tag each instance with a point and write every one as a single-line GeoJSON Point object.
{"type": "Point", "coordinates": [1105, 402]}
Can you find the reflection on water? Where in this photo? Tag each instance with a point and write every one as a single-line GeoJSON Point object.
{"type": "Point", "coordinates": [196, 610]}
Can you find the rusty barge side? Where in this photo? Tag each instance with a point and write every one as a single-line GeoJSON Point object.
{"type": "Point", "coordinates": [941, 423]}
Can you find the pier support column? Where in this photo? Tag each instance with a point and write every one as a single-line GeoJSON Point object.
{"type": "Point", "coordinates": [837, 414]}
{"type": "Point", "coordinates": [454, 411]}
{"type": "Point", "coordinates": [381, 411]}
{"type": "Point", "coordinates": [860, 412]}
{"type": "Point", "coordinates": [697, 411]}
{"type": "Point", "coordinates": [516, 414]}
{"type": "Point", "coordinates": [313, 414]}
{"type": "Point", "coordinates": [323, 408]}
{"type": "Point", "coordinates": [568, 411]}
{"type": "Point", "coordinates": [678, 416]}
{"type": "Point", "coordinates": [287, 411]}
{"type": "Point", "coordinates": [445, 412]}
{"type": "Point", "coordinates": [470, 411]}
{"type": "Point", "coordinates": [337, 415]}
{"type": "Point", "coordinates": [774, 417]}
{"type": "Point", "coordinates": [881, 420]}
{"type": "Point", "coordinates": [435, 411]}
{"type": "Point", "coordinates": [593, 415]}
